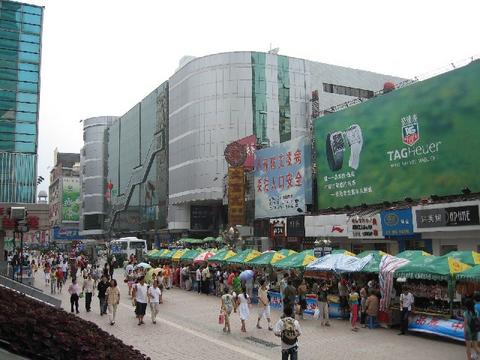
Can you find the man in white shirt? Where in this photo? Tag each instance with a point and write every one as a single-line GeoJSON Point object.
{"type": "Point", "coordinates": [88, 287]}
{"type": "Point", "coordinates": [288, 329]}
{"type": "Point", "coordinates": [139, 295]}
{"type": "Point", "coordinates": [198, 279]}
{"type": "Point", "coordinates": [154, 294]}
{"type": "Point", "coordinates": [406, 302]}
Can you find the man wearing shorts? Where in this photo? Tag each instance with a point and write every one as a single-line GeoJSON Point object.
{"type": "Point", "coordinates": [139, 296]}
{"type": "Point", "coordinates": [264, 310]}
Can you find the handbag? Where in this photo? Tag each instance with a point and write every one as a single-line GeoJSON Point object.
{"type": "Point", "coordinates": [221, 318]}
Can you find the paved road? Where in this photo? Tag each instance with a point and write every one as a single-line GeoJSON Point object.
{"type": "Point", "coordinates": [187, 328]}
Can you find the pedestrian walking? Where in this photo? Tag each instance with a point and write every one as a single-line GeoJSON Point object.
{"type": "Point", "coordinates": [64, 270]}
{"type": "Point", "coordinates": [323, 305]}
{"type": "Point", "coordinates": [354, 301]}
{"type": "Point", "coordinates": [302, 298]}
{"type": "Point", "coordinates": [87, 288]}
{"type": "Point", "coordinates": [289, 294]}
{"type": "Point", "coordinates": [154, 294]}
{"type": "Point", "coordinates": [288, 329]}
{"type": "Point", "coordinates": [343, 296]}
{"type": "Point", "coordinates": [74, 291]}
{"type": "Point", "coordinates": [406, 302]}
{"type": "Point", "coordinates": [53, 281]}
{"type": "Point", "coordinates": [264, 311]}
{"type": "Point", "coordinates": [113, 299]}
{"type": "Point", "coordinates": [226, 308]}
{"type": "Point", "coordinates": [102, 288]}
{"type": "Point", "coordinates": [198, 279]}
{"type": "Point", "coordinates": [363, 307]}
{"type": "Point", "coordinates": [243, 302]}
{"type": "Point", "coordinates": [59, 279]}
{"type": "Point", "coordinates": [139, 295]}
{"type": "Point", "coordinates": [46, 273]}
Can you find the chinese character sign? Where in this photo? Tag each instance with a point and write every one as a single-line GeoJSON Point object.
{"type": "Point", "coordinates": [250, 143]}
{"type": "Point", "coordinates": [402, 144]}
{"type": "Point", "coordinates": [283, 179]}
{"type": "Point", "coordinates": [236, 195]}
{"type": "Point", "coordinates": [71, 199]}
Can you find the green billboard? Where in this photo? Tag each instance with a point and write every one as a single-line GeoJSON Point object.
{"type": "Point", "coordinates": [70, 199]}
{"type": "Point", "coordinates": [414, 142]}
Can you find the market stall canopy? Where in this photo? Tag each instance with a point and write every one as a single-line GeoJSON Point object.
{"type": "Point", "coordinates": [178, 254]}
{"type": "Point", "coordinates": [189, 255]}
{"type": "Point", "coordinates": [343, 252]}
{"type": "Point", "coordinates": [296, 261]}
{"type": "Point", "coordinates": [221, 256]}
{"type": "Point", "coordinates": [373, 265]}
{"type": "Point", "coordinates": [431, 268]}
{"type": "Point", "coordinates": [412, 254]}
{"type": "Point", "coordinates": [203, 256]}
{"type": "Point", "coordinates": [168, 255]}
{"type": "Point", "coordinates": [243, 256]}
{"type": "Point", "coordinates": [472, 274]}
{"type": "Point", "coordinates": [267, 258]}
{"type": "Point", "coordinates": [191, 241]}
{"type": "Point", "coordinates": [339, 263]}
{"type": "Point", "coordinates": [209, 239]}
{"type": "Point", "coordinates": [471, 258]}
{"type": "Point", "coordinates": [160, 254]}
{"type": "Point", "coordinates": [152, 252]}
{"type": "Point", "coordinates": [286, 252]}
{"type": "Point", "coordinates": [368, 252]}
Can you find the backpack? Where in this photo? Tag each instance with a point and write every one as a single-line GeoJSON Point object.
{"type": "Point", "coordinates": [474, 323]}
{"type": "Point", "coordinates": [289, 333]}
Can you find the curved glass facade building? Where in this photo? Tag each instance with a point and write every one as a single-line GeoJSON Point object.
{"type": "Point", "coordinates": [20, 55]}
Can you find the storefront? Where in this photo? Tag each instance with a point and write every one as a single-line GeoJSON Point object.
{"type": "Point", "coordinates": [332, 227]}
{"type": "Point", "coordinates": [450, 227]}
{"type": "Point", "coordinates": [398, 225]}
{"type": "Point", "coordinates": [365, 233]}
{"type": "Point", "coordinates": [295, 232]}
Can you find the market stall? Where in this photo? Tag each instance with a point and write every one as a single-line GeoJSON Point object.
{"type": "Point", "coordinates": [243, 256]}
{"type": "Point", "coordinates": [412, 254]}
{"type": "Point", "coordinates": [203, 257]}
{"type": "Point", "coordinates": [265, 259]}
{"type": "Point", "coordinates": [190, 255]}
{"type": "Point", "coordinates": [431, 280]}
{"type": "Point", "coordinates": [222, 256]}
{"type": "Point", "coordinates": [471, 258]}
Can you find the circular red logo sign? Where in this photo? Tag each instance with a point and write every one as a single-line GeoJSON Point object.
{"type": "Point", "coordinates": [235, 154]}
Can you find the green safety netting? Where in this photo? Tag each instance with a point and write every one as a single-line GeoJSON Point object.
{"type": "Point", "coordinates": [243, 256]}
{"type": "Point", "coordinates": [471, 258]}
{"type": "Point", "coordinates": [297, 261]}
{"type": "Point", "coordinates": [431, 268]}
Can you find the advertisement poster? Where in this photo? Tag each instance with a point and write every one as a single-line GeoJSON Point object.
{"type": "Point", "coordinates": [412, 142]}
{"type": "Point", "coordinates": [283, 179]}
{"type": "Point", "coordinates": [71, 199]}
{"type": "Point", "coordinates": [443, 217]}
{"type": "Point", "coordinates": [365, 227]}
{"type": "Point", "coordinates": [236, 195]}
{"type": "Point", "coordinates": [449, 328]}
{"type": "Point", "coordinates": [397, 222]}
{"type": "Point", "coordinates": [326, 225]}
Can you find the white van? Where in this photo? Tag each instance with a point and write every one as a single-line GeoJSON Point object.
{"type": "Point", "coordinates": [125, 247]}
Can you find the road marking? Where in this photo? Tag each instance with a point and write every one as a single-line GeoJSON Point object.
{"type": "Point", "coordinates": [196, 333]}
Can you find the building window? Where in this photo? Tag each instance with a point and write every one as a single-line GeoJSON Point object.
{"type": "Point", "coordinates": [348, 91]}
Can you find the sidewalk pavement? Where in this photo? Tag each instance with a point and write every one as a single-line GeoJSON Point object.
{"type": "Point", "coordinates": [187, 328]}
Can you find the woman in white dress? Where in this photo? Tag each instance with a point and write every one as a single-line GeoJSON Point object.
{"type": "Point", "coordinates": [243, 300]}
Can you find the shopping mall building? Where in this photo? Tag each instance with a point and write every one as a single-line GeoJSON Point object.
{"type": "Point", "coordinates": [165, 167]}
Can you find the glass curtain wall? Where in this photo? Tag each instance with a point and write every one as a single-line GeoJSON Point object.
{"type": "Point", "coordinates": [20, 44]}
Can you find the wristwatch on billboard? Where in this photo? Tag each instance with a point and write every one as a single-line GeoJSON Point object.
{"type": "Point", "coordinates": [355, 141]}
{"type": "Point", "coordinates": [335, 147]}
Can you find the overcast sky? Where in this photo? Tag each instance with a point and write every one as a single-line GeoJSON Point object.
{"type": "Point", "coordinates": [100, 57]}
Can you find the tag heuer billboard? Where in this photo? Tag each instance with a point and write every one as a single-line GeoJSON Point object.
{"type": "Point", "coordinates": [415, 142]}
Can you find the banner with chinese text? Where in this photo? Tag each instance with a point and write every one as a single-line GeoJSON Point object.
{"type": "Point", "coordinates": [71, 199]}
{"type": "Point", "coordinates": [283, 179]}
{"type": "Point", "coordinates": [417, 141]}
{"type": "Point", "coordinates": [236, 195]}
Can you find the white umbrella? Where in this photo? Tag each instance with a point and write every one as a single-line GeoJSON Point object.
{"type": "Point", "coordinates": [143, 265]}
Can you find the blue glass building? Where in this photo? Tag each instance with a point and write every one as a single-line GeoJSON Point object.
{"type": "Point", "coordinates": [20, 54]}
